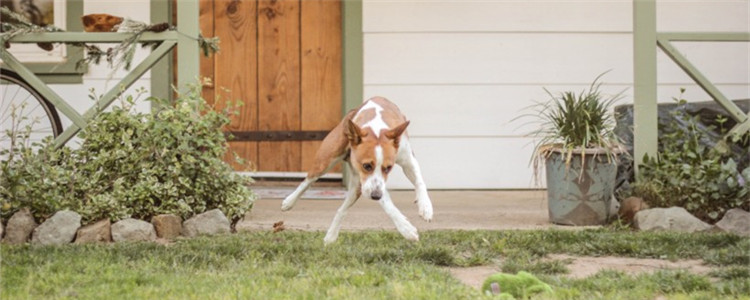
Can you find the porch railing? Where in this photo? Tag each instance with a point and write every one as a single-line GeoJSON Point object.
{"type": "Point", "coordinates": [646, 40]}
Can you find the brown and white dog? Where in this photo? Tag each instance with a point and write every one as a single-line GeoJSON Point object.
{"type": "Point", "coordinates": [371, 139]}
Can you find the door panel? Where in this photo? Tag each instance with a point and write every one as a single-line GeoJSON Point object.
{"type": "Point", "coordinates": [279, 81]}
{"type": "Point", "coordinates": [235, 69]}
{"type": "Point", "coordinates": [321, 71]}
{"type": "Point", "coordinates": [282, 59]}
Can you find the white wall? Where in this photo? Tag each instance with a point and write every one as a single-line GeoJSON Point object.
{"type": "Point", "coordinates": [462, 70]}
{"type": "Point", "coordinates": [101, 77]}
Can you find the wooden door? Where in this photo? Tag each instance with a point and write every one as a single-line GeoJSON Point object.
{"type": "Point", "coordinates": [282, 59]}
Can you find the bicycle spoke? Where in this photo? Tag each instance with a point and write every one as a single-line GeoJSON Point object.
{"type": "Point", "coordinates": [20, 111]}
{"type": "Point", "coordinates": [31, 112]}
{"type": "Point", "coordinates": [5, 111]}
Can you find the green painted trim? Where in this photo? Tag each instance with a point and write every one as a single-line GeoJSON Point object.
{"type": "Point", "coordinates": [684, 64]}
{"type": "Point", "coordinates": [740, 129]}
{"type": "Point", "coordinates": [60, 78]}
{"type": "Point", "coordinates": [353, 65]}
{"type": "Point", "coordinates": [188, 51]}
{"type": "Point", "coordinates": [65, 72]}
{"type": "Point", "coordinates": [93, 37]}
{"type": "Point", "coordinates": [645, 118]}
{"type": "Point", "coordinates": [161, 74]}
{"type": "Point", "coordinates": [705, 36]}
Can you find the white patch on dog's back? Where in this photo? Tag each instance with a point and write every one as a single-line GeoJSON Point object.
{"type": "Point", "coordinates": [377, 123]}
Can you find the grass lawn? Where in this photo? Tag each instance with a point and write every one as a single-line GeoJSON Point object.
{"type": "Point", "coordinates": [367, 265]}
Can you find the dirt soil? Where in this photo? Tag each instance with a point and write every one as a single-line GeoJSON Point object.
{"type": "Point", "coordinates": [463, 210]}
{"type": "Point", "coordinates": [584, 266]}
{"type": "Point", "coordinates": [468, 210]}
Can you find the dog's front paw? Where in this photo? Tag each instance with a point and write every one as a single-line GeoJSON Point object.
{"type": "Point", "coordinates": [425, 206]}
{"type": "Point", "coordinates": [330, 239]}
{"type": "Point", "coordinates": [408, 231]}
{"type": "Point", "coordinates": [425, 211]}
{"type": "Point", "coordinates": [288, 203]}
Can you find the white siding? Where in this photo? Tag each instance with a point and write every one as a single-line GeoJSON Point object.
{"type": "Point", "coordinates": [462, 71]}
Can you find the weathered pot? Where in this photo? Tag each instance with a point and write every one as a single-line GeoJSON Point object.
{"type": "Point", "coordinates": [580, 199]}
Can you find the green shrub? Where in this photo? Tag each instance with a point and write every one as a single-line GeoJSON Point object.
{"type": "Point", "coordinates": [131, 165]}
{"type": "Point", "coordinates": [687, 173]}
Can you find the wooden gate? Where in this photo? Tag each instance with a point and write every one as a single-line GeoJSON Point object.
{"type": "Point", "coordinates": [282, 59]}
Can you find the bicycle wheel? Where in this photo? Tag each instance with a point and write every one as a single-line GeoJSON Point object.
{"type": "Point", "coordinates": [24, 113]}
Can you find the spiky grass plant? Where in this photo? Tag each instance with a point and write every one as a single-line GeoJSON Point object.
{"type": "Point", "coordinates": [571, 123]}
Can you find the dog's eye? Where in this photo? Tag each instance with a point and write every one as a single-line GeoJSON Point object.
{"type": "Point", "coordinates": [387, 169]}
{"type": "Point", "coordinates": [367, 167]}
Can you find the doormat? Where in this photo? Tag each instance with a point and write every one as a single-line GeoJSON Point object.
{"type": "Point", "coordinates": [312, 193]}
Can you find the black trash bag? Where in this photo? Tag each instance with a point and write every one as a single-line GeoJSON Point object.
{"type": "Point", "coordinates": [708, 112]}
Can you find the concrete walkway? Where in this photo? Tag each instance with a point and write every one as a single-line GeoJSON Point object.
{"type": "Point", "coordinates": [465, 210]}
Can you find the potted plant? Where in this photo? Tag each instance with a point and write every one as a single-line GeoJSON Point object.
{"type": "Point", "coordinates": [576, 144]}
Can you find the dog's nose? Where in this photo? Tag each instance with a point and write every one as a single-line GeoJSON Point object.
{"type": "Point", "coordinates": [376, 195]}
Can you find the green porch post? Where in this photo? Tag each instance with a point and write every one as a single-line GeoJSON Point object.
{"type": "Point", "coordinates": [188, 64]}
{"type": "Point", "coordinates": [645, 134]}
{"type": "Point", "coordinates": [353, 64]}
{"type": "Point", "coordinates": [353, 60]}
{"type": "Point", "coordinates": [161, 75]}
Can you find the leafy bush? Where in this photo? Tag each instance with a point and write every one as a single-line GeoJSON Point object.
{"type": "Point", "coordinates": [687, 173]}
{"type": "Point", "coordinates": [131, 165]}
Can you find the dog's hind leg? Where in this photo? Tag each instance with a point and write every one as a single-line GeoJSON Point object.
{"type": "Point", "coordinates": [409, 164]}
{"type": "Point", "coordinates": [402, 224]}
{"type": "Point", "coordinates": [351, 197]}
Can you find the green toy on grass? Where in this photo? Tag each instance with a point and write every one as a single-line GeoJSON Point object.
{"type": "Point", "coordinates": [509, 286]}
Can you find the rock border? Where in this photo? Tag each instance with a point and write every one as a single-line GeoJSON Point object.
{"type": "Point", "coordinates": [64, 227]}
{"type": "Point", "coordinates": [21, 227]}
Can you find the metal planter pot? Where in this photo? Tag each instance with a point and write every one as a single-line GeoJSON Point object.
{"type": "Point", "coordinates": [575, 199]}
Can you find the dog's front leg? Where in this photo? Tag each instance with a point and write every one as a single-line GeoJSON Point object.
{"type": "Point", "coordinates": [312, 176]}
{"type": "Point", "coordinates": [402, 224]}
{"type": "Point", "coordinates": [351, 197]}
{"type": "Point", "coordinates": [409, 164]}
{"type": "Point", "coordinates": [290, 200]}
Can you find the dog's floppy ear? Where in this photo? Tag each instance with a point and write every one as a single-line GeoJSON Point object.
{"type": "Point", "coordinates": [395, 133]}
{"type": "Point", "coordinates": [354, 133]}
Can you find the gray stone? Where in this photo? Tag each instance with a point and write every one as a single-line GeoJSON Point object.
{"type": "Point", "coordinates": [671, 219]}
{"type": "Point", "coordinates": [20, 226]}
{"type": "Point", "coordinates": [167, 226]}
{"type": "Point", "coordinates": [208, 223]}
{"type": "Point", "coordinates": [99, 232]}
{"type": "Point", "coordinates": [57, 230]}
{"type": "Point", "coordinates": [735, 221]}
{"type": "Point", "coordinates": [133, 230]}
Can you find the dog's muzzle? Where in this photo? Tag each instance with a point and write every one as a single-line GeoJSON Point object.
{"type": "Point", "coordinates": [376, 195]}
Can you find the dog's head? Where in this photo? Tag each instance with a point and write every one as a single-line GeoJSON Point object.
{"type": "Point", "coordinates": [373, 155]}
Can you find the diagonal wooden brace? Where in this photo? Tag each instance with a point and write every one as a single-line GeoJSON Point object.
{"type": "Point", "coordinates": [734, 111]}
{"type": "Point", "coordinates": [740, 129]}
{"type": "Point", "coordinates": [116, 91]}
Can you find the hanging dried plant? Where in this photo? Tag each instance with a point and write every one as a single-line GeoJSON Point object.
{"type": "Point", "coordinates": [121, 55]}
